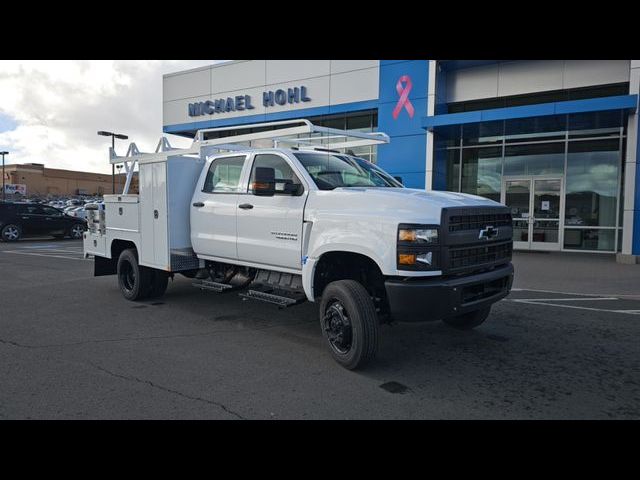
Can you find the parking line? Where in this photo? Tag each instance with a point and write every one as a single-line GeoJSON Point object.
{"type": "Point", "coordinates": [571, 293]}
{"type": "Point", "coordinates": [43, 255]}
{"type": "Point", "coordinates": [590, 299]}
{"type": "Point", "coordinates": [529, 302]}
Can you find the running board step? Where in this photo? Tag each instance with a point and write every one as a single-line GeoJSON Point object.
{"type": "Point", "coordinates": [279, 298]}
{"type": "Point", "coordinates": [214, 286]}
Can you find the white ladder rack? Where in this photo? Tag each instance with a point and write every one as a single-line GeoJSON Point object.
{"type": "Point", "coordinates": [299, 133]}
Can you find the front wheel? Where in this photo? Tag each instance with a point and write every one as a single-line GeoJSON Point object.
{"type": "Point", "coordinates": [349, 323]}
{"type": "Point", "coordinates": [469, 320]}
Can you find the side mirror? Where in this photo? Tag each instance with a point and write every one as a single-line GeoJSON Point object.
{"type": "Point", "coordinates": [264, 182]}
{"type": "Point", "coordinates": [399, 179]}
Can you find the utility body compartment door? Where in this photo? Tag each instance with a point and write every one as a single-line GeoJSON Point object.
{"type": "Point", "coordinates": [154, 250]}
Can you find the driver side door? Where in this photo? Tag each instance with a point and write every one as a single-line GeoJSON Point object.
{"type": "Point", "coordinates": [270, 227]}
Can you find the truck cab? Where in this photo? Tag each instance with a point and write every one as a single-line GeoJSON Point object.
{"type": "Point", "coordinates": [299, 223]}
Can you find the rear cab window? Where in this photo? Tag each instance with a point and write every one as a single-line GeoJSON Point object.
{"type": "Point", "coordinates": [224, 175]}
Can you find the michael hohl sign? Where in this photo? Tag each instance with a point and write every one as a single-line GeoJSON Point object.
{"type": "Point", "coordinates": [244, 102]}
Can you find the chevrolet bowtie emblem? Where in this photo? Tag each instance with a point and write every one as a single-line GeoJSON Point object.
{"type": "Point", "coordinates": [488, 232]}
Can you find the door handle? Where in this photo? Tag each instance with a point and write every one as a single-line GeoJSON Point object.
{"type": "Point", "coordinates": [245, 206]}
{"type": "Point", "coordinates": [198, 204]}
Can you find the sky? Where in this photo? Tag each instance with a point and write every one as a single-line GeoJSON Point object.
{"type": "Point", "coordinates": [51, 110]}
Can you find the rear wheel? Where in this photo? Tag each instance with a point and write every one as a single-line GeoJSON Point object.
{"type": "Point", "coordinates": [349, 323]}
{"type": "Point", "coordinates": [134, 280]}
{"type": "Point", "coordinates": [76, 230]}
{"type": "Point", "coordinates": [158, 284]}
{"type": "Point", "coordinates": [469, 320]}
{"type": "Point", "coordinates": [11, 232]}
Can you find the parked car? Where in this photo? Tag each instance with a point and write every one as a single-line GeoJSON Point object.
{"type": "Point", "coordinates": [78, 212]}
{"type": "Point", "coordinates": [18, 219]}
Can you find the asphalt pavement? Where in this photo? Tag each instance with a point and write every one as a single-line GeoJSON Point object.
{"type": "Point", "coordinates": [563, 345]}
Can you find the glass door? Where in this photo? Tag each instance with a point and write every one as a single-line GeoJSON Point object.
{"type": "Point", "coordinates": [535, 205]}
{"type": "Point", "coordinates": [517, 196]}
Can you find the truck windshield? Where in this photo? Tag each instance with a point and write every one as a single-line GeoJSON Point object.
{"type": "Point", "coordinates": [333, 170]}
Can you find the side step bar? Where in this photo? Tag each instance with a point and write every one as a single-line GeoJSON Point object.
{"type": "Point", "coordinates": [278, 297]}
{"type": "Point", "coordinates": [214, 286]}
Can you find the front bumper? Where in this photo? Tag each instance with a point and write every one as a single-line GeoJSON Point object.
{"type": "Point", "coordinates": [424, 299]}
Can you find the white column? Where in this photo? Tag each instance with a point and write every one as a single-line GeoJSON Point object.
{"type": "Point", "coordinates": [431, 108]}
{"type": "Point", "coordinates": [630, 169]}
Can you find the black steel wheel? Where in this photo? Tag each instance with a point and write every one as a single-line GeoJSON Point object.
{"type": "Point", "coordinates": [158, 284]}
{"type": "Point", "coordinates": [349, 323]}
{"type": "Point", "coordinates": [133, 279]}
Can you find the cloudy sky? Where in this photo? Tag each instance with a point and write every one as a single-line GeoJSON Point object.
{"type": "Point", "coordinates": [51, 110]}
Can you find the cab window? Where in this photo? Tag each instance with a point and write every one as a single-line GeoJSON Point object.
{"type": "Point", "coordinates": [51, 211]}
{"type": "Point", "coordinates": [286, 180]}
{"type": "Point", "coordinates": [27, 209]}
{"type": "Point", "coordinates": [224, 175]}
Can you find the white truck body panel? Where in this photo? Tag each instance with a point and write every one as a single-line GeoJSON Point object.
{"type": "Point", "coordinates": [157, 220]}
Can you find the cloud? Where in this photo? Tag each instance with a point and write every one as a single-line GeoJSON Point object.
{"type": "Point", "coordinates": [51, 110]}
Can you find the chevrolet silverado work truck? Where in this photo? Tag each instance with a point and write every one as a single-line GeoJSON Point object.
{"type": "Point", "coordinates": [297, 220]}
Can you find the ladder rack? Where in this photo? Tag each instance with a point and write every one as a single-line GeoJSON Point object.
{"type": "Point", "coordinates": [299, 133]}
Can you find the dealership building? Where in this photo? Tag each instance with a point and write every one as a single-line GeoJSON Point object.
{"type": "Point", "coordinates": [555, 140]}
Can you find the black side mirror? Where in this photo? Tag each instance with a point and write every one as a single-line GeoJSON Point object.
{"type": "Point", "coordinates": [399, 179]}
{"type": "Point", "coordinates": [264, 182]}
{"type": "Point", "coordinates": [290, 188]}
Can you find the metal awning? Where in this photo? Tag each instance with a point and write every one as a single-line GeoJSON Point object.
{"type": "Point", "coordinates": [618, 102]}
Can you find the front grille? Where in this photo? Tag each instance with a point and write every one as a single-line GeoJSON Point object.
{"type": "Point", "coordinates": [477, 221]}
{"type": "Point", "coordinates": [478, 256]}
{"type": "Point", "coordinates": [466, 246]}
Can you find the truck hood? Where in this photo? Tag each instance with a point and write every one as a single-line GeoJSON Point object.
{"type": "Point", "coordinates": [435, 197]}
{"type": "Point", "coordinates": [396, 204]}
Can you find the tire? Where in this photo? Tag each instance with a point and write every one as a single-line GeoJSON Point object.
{"type": "Point", "coordinates": [75, 231]}
{"type": "Point", "coordinates": [134, 280]}
{"type": "Point", "coordinates": [159, 282]}
{"type": "Point", "coordinates": [349, 323]}
{"type": "Point", "coordinates": [11, 232]}
{"type": "Point", "coordinates": [469, 320]}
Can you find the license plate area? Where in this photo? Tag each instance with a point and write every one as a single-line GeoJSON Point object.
{"type": "Point", "coordinates": [481, 291]}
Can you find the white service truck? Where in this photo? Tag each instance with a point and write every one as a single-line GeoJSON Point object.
{"type": "Point", "coordinates": [299, 220]}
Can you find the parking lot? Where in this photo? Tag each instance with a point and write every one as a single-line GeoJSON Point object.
{"type": "Point", "coordinates": [563, 345]}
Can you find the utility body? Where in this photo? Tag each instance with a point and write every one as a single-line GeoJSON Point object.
{"type": "Point", "coordinates": [287, 224]}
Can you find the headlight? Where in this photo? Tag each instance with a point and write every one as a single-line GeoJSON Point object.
{"type": "Point", "coordinates": [417, 247]}
{"type": "Point", "coordinates": [419, 235]}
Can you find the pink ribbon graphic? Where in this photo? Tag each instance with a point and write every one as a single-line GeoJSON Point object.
{"type": "Point", "coordinates": [403, 101]}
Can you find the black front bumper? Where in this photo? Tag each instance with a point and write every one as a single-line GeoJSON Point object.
{"type": "Point", "coordinates": [423, 299]}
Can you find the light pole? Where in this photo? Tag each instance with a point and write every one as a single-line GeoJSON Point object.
{"type": "Point", "coordinates": [3, 192]}
{"type": "Point", "coordinates": [113, 146]}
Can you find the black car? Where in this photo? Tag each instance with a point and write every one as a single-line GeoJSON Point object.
{"type": "Point", "coordinates": [18, 219]}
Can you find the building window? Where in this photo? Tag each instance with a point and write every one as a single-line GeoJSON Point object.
{"type": "Point", "coordinates": [482, 171]}
{"type": "Point", "coordinates": [592, 183]}
{"type": "Point", "coordinates": [584, 150]}
{"type": "Point", "coordinates": [534, 159]}
{"type": "Point", "coordinates": [589, 239]}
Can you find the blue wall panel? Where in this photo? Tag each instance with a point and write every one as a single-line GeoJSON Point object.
{"type": "Point", "coordinates": [635, 248]}
{"type": "Point", "coordinates": [406, 154]}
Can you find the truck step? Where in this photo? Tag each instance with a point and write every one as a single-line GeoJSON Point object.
{"type": "Point", "coordinates": [210, 285]}
{"type": "Point", "coordinates": [280, 298]}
